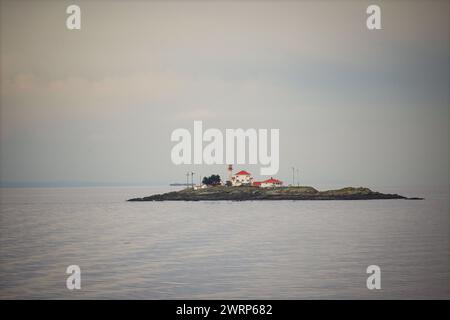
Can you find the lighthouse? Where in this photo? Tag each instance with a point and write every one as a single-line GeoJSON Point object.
{"type": "Point", "coordinates": [229, 172]}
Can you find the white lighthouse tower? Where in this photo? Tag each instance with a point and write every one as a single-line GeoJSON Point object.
{"type": "Point", "coordinates": [229, 173]}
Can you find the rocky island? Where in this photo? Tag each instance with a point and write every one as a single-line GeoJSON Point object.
{"type": "Point", "coordinates": [246, 193]}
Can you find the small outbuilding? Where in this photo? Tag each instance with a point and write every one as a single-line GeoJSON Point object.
{"type": "Point", "coordinates": [269, 183]}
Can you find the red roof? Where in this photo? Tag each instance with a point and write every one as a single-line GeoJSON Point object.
{"type": "Point", "coordinates": [272, 180]}
{"type": "Point", "coordinates": [257, 183]}
{"type": "Point", "coordinates": [243, 173]}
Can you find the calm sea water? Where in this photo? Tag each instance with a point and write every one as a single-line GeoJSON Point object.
{"type": "Point", "coordinates": [232, 250]}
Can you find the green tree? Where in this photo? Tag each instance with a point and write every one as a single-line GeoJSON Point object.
{"type": "Point", "coordinates": [212, 180]}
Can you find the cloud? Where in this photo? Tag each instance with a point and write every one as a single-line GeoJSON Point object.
{"type": "Point", "coordinates": [143, 86]}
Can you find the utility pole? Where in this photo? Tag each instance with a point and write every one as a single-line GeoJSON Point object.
{"type": "Point", "coordinates": [192, 179]}
{"type": "Point", "coordinates": [298, 179]}
{"type": "Point", "coordinates": [293, 176]}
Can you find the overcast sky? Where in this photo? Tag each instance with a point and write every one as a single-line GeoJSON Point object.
{"type": "Point", "coordinates": [98, 105]}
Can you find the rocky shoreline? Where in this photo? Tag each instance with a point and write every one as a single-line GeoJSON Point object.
{"type": "Point", "coordinates": [280, 193]}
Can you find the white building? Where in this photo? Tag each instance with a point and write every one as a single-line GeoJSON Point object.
{"type": "Point", "coordinates": [242, 178]}
{"type": "Point", "coordinates": [270, 183]}
{"type": "Point", "coordinates": [202, 186]}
